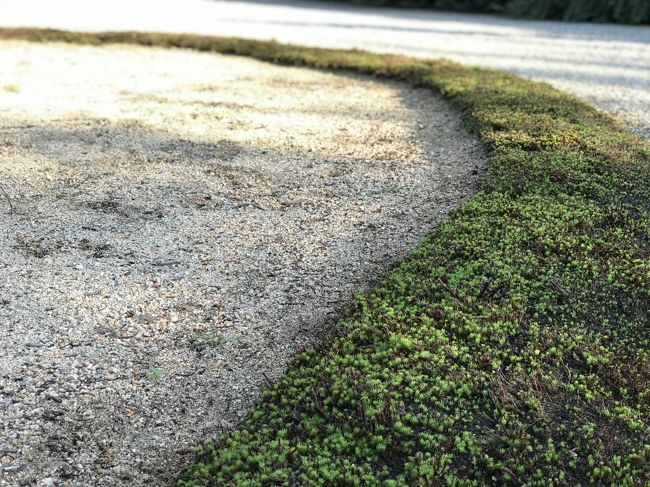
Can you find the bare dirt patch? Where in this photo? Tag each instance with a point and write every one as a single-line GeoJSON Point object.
{"type": "Point", "coordinates": [180, 224]}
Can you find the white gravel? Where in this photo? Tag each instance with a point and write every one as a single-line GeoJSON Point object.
{"type": "Point", "coordinates": [176, 225]}
{"type": "Point", "coordinates": [607, 65]}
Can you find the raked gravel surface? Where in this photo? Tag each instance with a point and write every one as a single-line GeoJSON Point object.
{"type": "Point", "coordinates": [606, 65]}
{"type": "Point", "coordinates": [174, 226]}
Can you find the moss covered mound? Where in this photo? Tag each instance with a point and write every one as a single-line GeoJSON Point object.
{"type": "Point", "coordinates": [513, 345]}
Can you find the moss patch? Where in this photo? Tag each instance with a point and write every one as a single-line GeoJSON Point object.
{"type": "Point", "coordinates": [512, 346]}
{"type": "Point", "coordinates": [11, 88]}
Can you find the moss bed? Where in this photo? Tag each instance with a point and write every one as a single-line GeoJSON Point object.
{"type": "Point", "coordinates": [512, 347]}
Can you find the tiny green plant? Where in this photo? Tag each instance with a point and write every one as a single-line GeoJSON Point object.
{"type": "Point", "coordinates": [156, 373]}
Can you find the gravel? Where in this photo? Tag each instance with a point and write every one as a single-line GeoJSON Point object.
{"type": "Point", "coordinates": [606, 65]}
{"type": "Point", "coordinates": [174, 226]}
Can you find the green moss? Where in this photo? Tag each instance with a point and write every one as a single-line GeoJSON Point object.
{"type": "Point", "coordinates": [11, 88]}
{"type": "Point", "coordinates": [512, 347]}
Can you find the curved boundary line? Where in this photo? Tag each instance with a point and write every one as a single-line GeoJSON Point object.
{"type": "Point", "coordinates": [486, 355]}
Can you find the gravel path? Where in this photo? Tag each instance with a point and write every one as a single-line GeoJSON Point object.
{"type": "Point", "coordinates": [176, 225]}
{"type": "Point", "coordinates": [607, 65]}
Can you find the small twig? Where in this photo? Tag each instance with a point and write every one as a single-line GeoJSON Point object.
{"type": "Point", "coordinates": [166, 263]}
{"type": "Point", "coordinates": [512, 473]}
{"type": "Point", "coordinates": [485, 287]}
{"type": "Point", "coordinates": [269, 382]}
{"type": "Point", "coordinates": [250, 203]}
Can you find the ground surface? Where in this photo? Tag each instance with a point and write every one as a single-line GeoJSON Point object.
{"type": "Point", "coordinates": [175, 226]}
{"type": "Point", "coordinates": [607, 65]}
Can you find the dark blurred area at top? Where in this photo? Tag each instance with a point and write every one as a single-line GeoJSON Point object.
{"type": "Point", "coordinates": [618, 11]}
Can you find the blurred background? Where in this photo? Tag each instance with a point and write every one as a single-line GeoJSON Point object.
{"type": "Point", "coordinates": [598, 50]}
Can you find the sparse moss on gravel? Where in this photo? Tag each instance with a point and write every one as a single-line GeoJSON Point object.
{"type": "Point", "coordinates": [512, 347]}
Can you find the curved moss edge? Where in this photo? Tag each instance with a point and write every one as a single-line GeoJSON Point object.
{"type": "Point", "coordinates": [512, 347]}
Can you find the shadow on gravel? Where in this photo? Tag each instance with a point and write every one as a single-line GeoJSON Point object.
{"type": "Point", "coordinates": [100, 192]}
{"type": "Point", "coordinates": [132, 141]}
